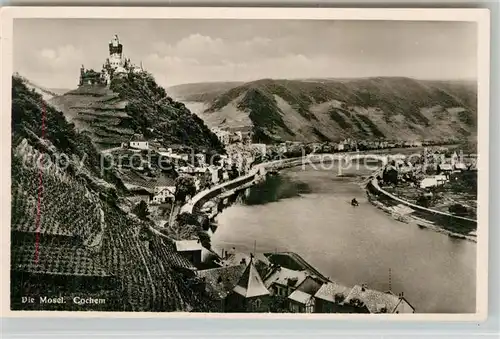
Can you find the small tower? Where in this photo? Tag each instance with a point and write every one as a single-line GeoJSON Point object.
{"type": "Point", "coordinates": [250, 294]}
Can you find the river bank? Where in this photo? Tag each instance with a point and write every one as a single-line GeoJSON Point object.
{"type": "Point", "coordinates": [307, 211]}
{"type": "Point", "coordinates": [406, 212]}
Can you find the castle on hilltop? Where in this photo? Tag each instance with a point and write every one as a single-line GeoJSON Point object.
{"type": "Point", "coordinates": [115, 64]}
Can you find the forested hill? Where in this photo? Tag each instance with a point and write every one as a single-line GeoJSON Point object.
{"type": "Point", "coordinates": [134, 103]}
{"type": "Point", "coordinates": [332, 109]}
{"type": "Point", "coordinates": [87, 246]}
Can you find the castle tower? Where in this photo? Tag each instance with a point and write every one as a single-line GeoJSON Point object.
{"type": "Point", "coordinates": [82, 73]}
{"type": "Point", "coordinates": [115, 53]}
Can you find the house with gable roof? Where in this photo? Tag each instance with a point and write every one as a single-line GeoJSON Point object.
{"type": "Point", "coordinates": [250, 294]}
{"type": "Point", "coordinates": [361, 299]}
{"type": "Point", "coordinates": [299, 288]}
{"type": "Point", "coordinates": [139, 142]}
{"type": "Point", "coordinates": [283, 281]}
{"type": "Point", "coordinates": [219, 282]}
{"type": "Point", "coordinates": [330, 297]}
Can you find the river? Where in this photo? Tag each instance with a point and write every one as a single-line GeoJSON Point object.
{"type": "Point", "coordinates": [308, 211]}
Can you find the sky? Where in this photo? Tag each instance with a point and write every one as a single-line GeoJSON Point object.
{"type": "Point", "coordinates": [50, 52]}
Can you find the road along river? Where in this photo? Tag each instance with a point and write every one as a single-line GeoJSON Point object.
{"type": "Point", "coordinates": [308, 211]}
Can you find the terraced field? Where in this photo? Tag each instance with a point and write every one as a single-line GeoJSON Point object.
{"type": "Point", "coordinates": [99, 111]}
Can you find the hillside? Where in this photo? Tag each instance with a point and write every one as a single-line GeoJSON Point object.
{"type": "Point", "coordinates": [87, 245]}
{"type": "Point", "coordinates": [134, 103]}
{"type": "Point", "coordinates": [201, 91]}
{"type": "Point", "coordinates": [329, 109]}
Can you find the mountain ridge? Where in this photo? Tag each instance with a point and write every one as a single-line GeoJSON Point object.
{"type": "Point", "coordinates": [321, 110]}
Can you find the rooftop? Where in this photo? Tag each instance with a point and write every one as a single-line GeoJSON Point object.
{"type": "Point", "coordinates": [236, 258]}
{"type": "Point", "coordinates": [328, 291]}
{"type": "Point", "coordinates": [375, 301]}
{"type": "Point", "coordinates": [167, 248]}
{"type": "Point", "coordinates": [300, 297]}
{"type": "Point", "coordinates": [251, 284]}
{"type": "Point", "coordinates": [446, 167]}
{"type": "Point", "coordinates": [286, 277]}
{"type": "Point", "coordinates": [188, 245]}
{"type": "Point", "coordinates": [138, 137]}
{"type": "Point", "coordinates": [221, 281]}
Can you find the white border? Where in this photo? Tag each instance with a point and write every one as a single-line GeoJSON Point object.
{"type": "Point", "coordinates": [480, 16]}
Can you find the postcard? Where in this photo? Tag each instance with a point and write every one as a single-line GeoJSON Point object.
{"type": "Point", "coordinates": [245, 162]}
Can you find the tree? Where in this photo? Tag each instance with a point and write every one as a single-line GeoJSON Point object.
{"type": "Point", "coordinates": [186, 218]}
{"type": "Point", "coordinates": [423, 201]}
{"type": "Point", "coordinates": [278, 304]}
{"type": "Point", "coordinates": [233, 173]}
{"type": "Point", "coordinates": [145, 233]}
{"type": "Point", "coordinates": [204, 239]}
{"type": "Point", "coordinates": [458, 209]}
{"type": "Point", "coordinates": [390, 176]}
{"type": "Point", "coordinates": [184, 186]}
{"type": "Point", "coordinates": [141, 210]}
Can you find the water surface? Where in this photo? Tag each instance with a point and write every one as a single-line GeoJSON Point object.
{"type": "Point", "coordinates": [309, 212]}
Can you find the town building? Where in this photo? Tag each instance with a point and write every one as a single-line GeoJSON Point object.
{"type": "Point", "coordinates": [163, 194]}
{"type": "Point", "coordinates": [139, 142]}
{"type": "Point", "coordinates": [445, 168]}
{"type": "Point", "coordinates": [434, 181]}
{"type": "Point", "coordinates": [302, 299]}
{"type": "Point", "coordinates": [223, 135]}
{"type": "Point", "coordinates": [460, 166]}
{"type": "Point", "coordinates": [190, 249]}
{"type": "Point", "coordinates": [365, 300]}
{"type": "Point", "coordinates": [300, 302]}
{"type": "Point", "coordinates": [201, 159]}
{"type": "Point", "coordinates": [330, 297]}
{"type": "Point", "coordinates": [260, 149]}
{"type": "Point", "coordinates": [250, 294]}
{"type": "Point", "coordinates": [220, 282]}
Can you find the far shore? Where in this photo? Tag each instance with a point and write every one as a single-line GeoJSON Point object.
{"type": "Point", "coordinates": [409, 219]}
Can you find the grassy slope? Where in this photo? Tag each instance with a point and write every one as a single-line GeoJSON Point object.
{"type": "Point", "coordinates": [73, 203]}
{"type": "Point", "coordinates": [315, 110]}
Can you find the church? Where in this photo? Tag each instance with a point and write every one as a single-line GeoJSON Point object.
{"type": "Point", "coordinates": [115, 64]}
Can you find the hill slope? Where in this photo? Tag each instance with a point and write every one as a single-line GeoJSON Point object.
{"type": "Point", "coordinates": [46, 93]}
{"type": "Point", "coordinates": [201, 91]}
{"type": "Point", "coordinates": [321, 110]}
{"type": "Point", "coordinates": [134, 103]}
{"type": "Point", "coordinates": [87, 245]}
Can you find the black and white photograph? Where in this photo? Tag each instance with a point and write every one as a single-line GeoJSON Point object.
{"type": "Point", "coordinates": [246, 165]}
